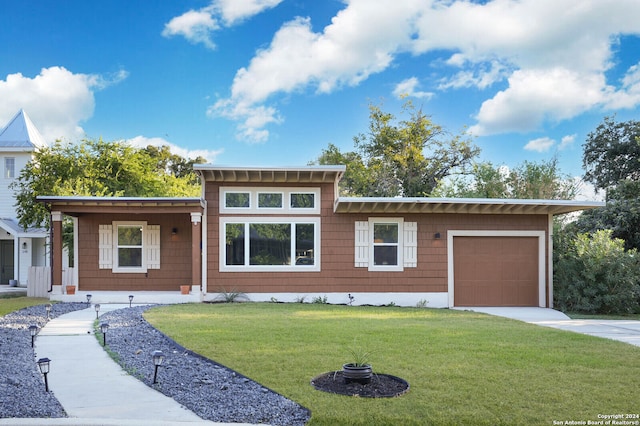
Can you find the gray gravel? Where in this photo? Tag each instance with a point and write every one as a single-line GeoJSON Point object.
{"type": "Point", "coordinates": [210, 390]}
{"type": "Point", "coordinates": [22, 392]}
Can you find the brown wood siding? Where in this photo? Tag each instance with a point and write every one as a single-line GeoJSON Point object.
{"type": "Point", "coordinates": [175, 255]}
{"type": "Point", "coordinates": [338, 273]}
{"type": "Point", "coordinates": [495, 271]}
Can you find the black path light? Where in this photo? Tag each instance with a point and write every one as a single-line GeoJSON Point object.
{"type": "Point", "coordinates": [33, 329]}
{"type": "Point", "coordinates": [43, 365]}
{"type": "Point", "coordinates": [158, 358]}
{"type": "Point", "coordinates": [47, 308]}
{"type": "Point", "coordinates": [97, 308]}
{"type": "Point", "coordinates": [88, 298]}
{"type": "Point", "coordinates": [103, 328]}
{"type": "Point", "coordinates": [130, 299]}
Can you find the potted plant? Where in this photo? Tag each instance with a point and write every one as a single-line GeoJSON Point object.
{"type": "Point", "coordinates": [359, 369]}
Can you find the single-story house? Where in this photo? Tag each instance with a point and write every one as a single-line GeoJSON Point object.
{"type": "Point", "coordinates": [285, 234]}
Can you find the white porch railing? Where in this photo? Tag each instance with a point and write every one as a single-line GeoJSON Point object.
{"type": "Point", "coordinates": [40, 280]}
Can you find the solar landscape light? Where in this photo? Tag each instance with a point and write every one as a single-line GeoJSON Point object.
{"type": "Point", "coordinates": [47, 308]}
{"type": "Point", "coordinates": [130, 299]}
{"type": "Point", "coordinates": [33, 329]}
{"type": "Point", "coordinates": [103, 328]}
{"type": "Point", "coordinates": [43, 365]}
{"type": "Point", "coordinates": [97, 308]}
{"type": "Point", "coordinates": [88, 298]}
{"type": "Point", "coordinates": [158, 358]}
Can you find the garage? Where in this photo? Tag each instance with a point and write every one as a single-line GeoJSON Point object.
{"type": "Point", "coordinates": [497, 270]}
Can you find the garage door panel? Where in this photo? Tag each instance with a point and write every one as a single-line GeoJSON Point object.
{"type": "Point", "coordinates": [495, 271]}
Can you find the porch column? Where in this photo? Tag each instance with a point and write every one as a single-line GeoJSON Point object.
{"type": "Point", "coordinates": [56, 247]}
{"type": "Point", "coordinates": [196, 249]}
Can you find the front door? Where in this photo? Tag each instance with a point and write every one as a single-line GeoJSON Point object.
{"type": "Point", "coordinates": [6, 261]}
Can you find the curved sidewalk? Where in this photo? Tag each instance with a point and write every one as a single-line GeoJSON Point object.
{"type": "Point", "coordinates": [91, 387]}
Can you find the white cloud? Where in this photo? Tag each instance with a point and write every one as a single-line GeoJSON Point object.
{"type": "Point", "coordinates": [567, 141]}
{"type": "Point", "coordinates": [540, 144]}
{"type": "Point", "coordinates": [409, 87]}
{"type": "Point", "coordinates": [195, 26]}
{"type": "Point", "coordinates": [198, 26]}
{"type": "Point", "coordinates": [143, 142]}
{"type": "Point", "coordinates": [57, 100]}
{"type": "Point", "coordinates": [551, 56]}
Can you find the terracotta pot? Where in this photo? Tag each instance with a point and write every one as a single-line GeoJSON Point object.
{"type": "Point", "coordinates": [359, 374]}
{"type": "Point", "coordinates": [71, 289]}
{"type": "Point", "coordinates": [185, 289]}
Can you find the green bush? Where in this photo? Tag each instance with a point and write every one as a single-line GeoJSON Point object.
{"type": "Point", "coordinates": [594, 274]}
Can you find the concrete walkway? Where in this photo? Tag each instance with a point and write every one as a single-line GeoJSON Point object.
{"type": "Point", "coordinates": [91, 387]}
{"type": "Point", "coordinates": [627, 331]}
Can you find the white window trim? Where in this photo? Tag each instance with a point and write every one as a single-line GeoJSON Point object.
{"type": "Point", "coordinates": [129, 269]}
{"type": "Point", "coordinates": [464, 233]}
{"type": "Point", "coordinates": [407, 244]}
{"type": "Point", "coordinates": [400, 262]}
{"type": "Point", "coordinates": [253, 200]}
{"type": "Point", "coordinates": [268, 268]}
{"type": "Point", "coordinates": [6, 173]}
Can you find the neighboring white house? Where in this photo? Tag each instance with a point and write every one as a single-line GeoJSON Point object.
{"type": "Point", "coordinates": [19, 248]}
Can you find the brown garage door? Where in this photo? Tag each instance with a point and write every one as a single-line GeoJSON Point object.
{"type": "Point", "coordinates": [495, 271]}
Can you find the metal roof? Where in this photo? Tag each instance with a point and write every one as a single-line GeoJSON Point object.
{"type": "Point", "coordinates": [384, 205]}
{"type": "Point", "coordinates": [83, 204]}
{"type": "Point", "coordinates": [15, 229]}
{"type": "Point", "coordinates": [307, 174]}
{"type": "Point", "coordinates": [20, 132]}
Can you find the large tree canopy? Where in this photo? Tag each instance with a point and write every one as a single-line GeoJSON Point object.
{"type": "Point", "coordinates": [529, 180]}
{"type": "Point", "coordinates": [99, 168]}
{"type": "Point", "coordinates": [408, 157]}
{"type": "Point", "coordinates": [612, 153]}
{"type": "Point", "coordinates": [611, 161]}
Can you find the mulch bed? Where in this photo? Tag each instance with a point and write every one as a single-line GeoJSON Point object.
{"type": "Point", "coordinates": [381, 385]}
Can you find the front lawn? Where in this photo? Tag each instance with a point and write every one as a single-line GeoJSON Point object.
{"type": "Point", "coordinates": [464, 368]}
{"type": "Point", "coordinates": [10, 302]}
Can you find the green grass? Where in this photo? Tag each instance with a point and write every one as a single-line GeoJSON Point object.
{"type": "Point", "coordinates": [464, 368]}
{"type": "Point", "coordinates": [11, 303]}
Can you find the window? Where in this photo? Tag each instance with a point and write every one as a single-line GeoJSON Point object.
{"type": "Point", "coordinates": [279, 244]}
{"type": "Point", "coordinates": [129, 247]}
{"type": "Point", "coordinates": [9, 167]}
{"type": "Point", "coordinates": [303, 200]}
{"type": "Point", "coordinates": [386, 244]}
{"type": "Point", "coordinates": [237, 200]}
{"type": "Point", "coordinates": [268, 200]}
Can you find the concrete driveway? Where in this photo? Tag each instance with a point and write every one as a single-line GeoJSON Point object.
{"type": "Point", "coordinates": [627, 331]}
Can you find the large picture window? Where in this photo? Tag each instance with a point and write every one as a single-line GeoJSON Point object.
{"type": "Point", "coordinates": [279, 244]}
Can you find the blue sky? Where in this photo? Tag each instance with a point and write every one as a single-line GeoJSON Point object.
{"type": "Point", "coordinates": [273, 82]}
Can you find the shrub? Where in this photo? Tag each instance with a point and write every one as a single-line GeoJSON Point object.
{"type": "Point", "coordinates": [594, 274]}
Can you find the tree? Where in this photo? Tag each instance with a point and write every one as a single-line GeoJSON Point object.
{"type": "Point", "coordinates": [529, 180]}
{"type": "Point", "coordinates": [594, 274]}
{"type": "Point", "coordinates": [612, 153]}
{"type": "Point", "coordinates": [611, 161]}
{"type": "Point", "coordinates": [407, 158]}
{"type": "Point", "coordinates": [95, 168]}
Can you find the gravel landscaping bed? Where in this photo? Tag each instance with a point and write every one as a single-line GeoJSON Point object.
{"type": "Point", "coordinates": [210, 390]}
{"type": "Point", "coordinates": [22, 392]}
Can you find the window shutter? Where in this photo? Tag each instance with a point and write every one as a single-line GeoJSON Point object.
{"type": "Point", "coordinates": [105, 247]}
{"type": "Point", "coordinates": [362, 244]}
{"type": "Point", "coordinates": [410, 244]}
{"type": "Point", "coordinates": [153, 246]}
